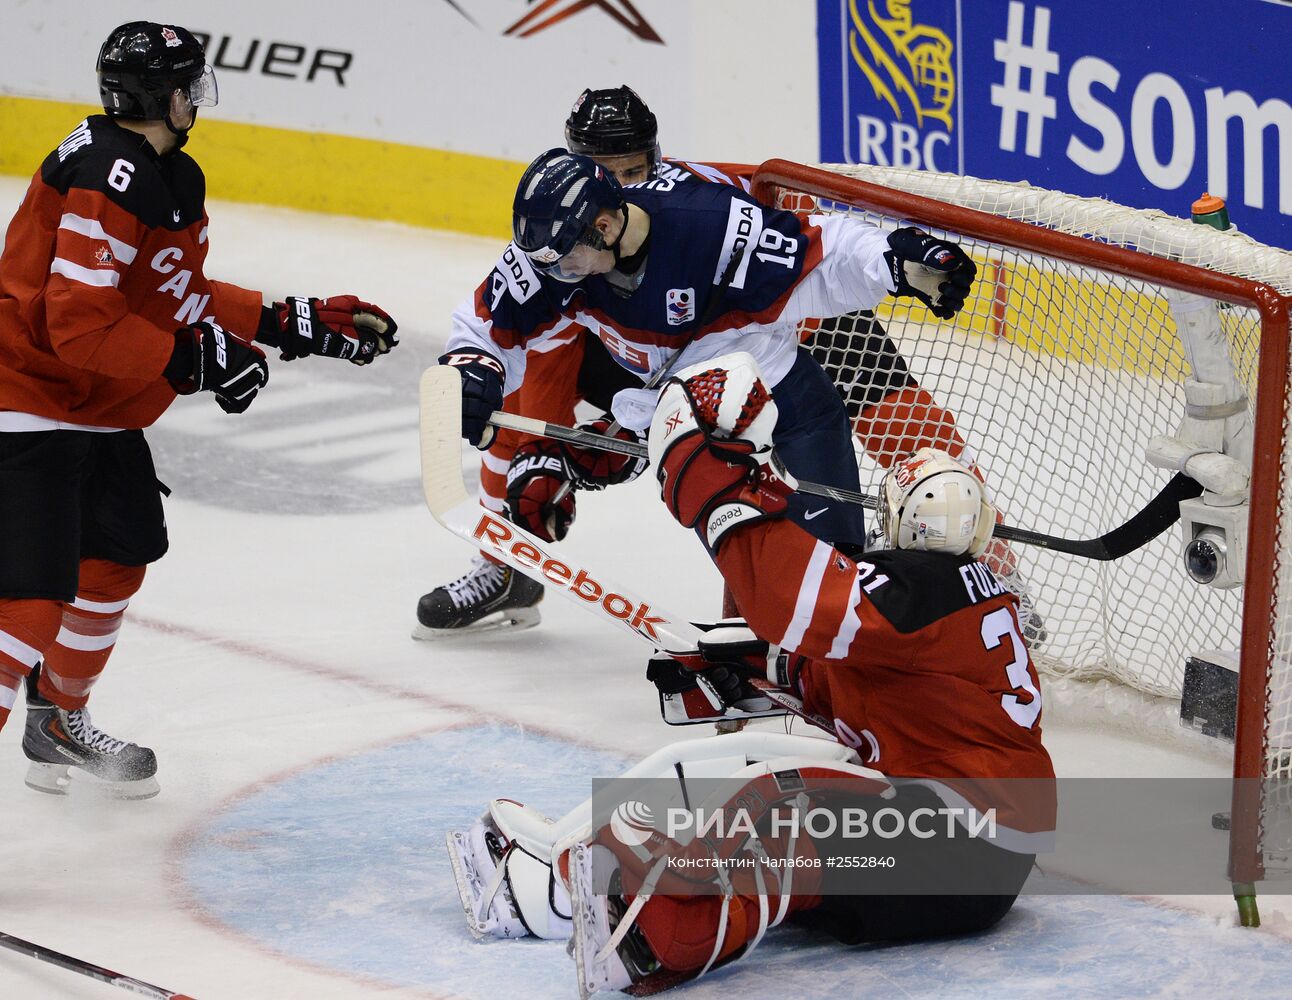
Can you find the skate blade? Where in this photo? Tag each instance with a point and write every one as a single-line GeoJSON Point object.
{"type": "Point", "coordinates": [581, 909]}
{"type": "Point", "coordinates": [55, 779]}
{"type": "Point", "coordinates": [464, 874]}
{"type": "Point", "coordinates": [512, 619]}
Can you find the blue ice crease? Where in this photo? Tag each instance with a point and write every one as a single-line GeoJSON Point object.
{"type": "Point", "coordinates": [344, 866]}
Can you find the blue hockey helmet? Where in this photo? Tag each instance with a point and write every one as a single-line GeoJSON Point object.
{"type": "Point", "coordinates": [557, 203]}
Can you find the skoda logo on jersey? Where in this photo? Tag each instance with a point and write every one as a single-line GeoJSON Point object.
{"type": "Point", "coordinates": [680, 306]}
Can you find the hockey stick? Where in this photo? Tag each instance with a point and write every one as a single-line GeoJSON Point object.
{"type": "Point", "coordinates": [446, 496]}
{"type": "Point", "coordinates": [728, 275]}
{"type": "Point", "coordinates": [88, 969]}
{"type": "Point", "coordinates": [1157, 515]}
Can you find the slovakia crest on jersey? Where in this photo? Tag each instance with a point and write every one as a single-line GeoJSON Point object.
{"type": "Point", "coordinates": [680, 306]}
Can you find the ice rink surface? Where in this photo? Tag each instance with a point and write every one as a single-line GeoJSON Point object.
{"type": "Point", "coordinates": [312, 755]}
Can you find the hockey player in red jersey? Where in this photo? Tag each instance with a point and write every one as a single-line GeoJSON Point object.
{"type": "Point", "coordinates": [106, 314]}
{"type": "Point", "coordinates": [911, 658]}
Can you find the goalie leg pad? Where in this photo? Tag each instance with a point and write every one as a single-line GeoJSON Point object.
{"type": "Point", "coordinates": [503, 870]}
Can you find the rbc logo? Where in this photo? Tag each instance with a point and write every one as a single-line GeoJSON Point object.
{"type": "Point", "coordinates": [899, 81]}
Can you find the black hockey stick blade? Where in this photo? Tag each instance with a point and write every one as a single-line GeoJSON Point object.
{"type": "Point", "coordinates": [88, 969]}
{"type": "Point", "coordinates": [1160, 513]}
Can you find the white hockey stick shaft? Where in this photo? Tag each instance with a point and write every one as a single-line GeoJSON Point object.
{"type": "Point", "coordinates": [449, 503]}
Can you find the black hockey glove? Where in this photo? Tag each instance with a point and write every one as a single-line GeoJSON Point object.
{"type": "Point", "coordinates": [482, 376]}
{"type": "Point", "coordinates": [595, 469]}
{"type": "Point", "coordinates": [208, 357]}
{"type": "Point", "coordinates": [934, 271]}
{"type": "Point", "coordinates": [340, 327]}
{"type": "Point", "coordinates": [539, 471]}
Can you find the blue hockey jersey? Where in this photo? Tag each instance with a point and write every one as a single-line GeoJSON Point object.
{"type": "Point", "coordinates": [723, 273]}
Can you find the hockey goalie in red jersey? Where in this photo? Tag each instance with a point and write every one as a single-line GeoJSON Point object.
{"type": "Point", "coordinates": [910, 657]}
{"type": "Point", "coordinates": [105, 315]}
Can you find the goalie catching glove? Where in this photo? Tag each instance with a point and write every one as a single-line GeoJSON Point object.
{"type": "Point", "coordinates": [710, 442]}
{"type": "Point", "coordinates": [338, 327]}
{"type": "Point", "coordinates": [934, 271]}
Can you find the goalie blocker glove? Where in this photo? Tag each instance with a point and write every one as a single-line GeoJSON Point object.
{"type": "Point", "coordinates": [482, 380]}
{"type": "Point", "coordinates": [934, 271]}
{"type": "Point", "coordinates": [342, 327]}
{"type": "Point", "coordinates": [710, 442]}
{"type": "Point", "coordinates": [209, 358]}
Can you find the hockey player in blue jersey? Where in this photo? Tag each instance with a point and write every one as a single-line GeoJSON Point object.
{"type": "Point", "coordinates": [668, 275]}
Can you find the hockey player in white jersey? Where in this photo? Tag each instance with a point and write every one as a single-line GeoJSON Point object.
{"type": "Point", "coordinates": [669, 274]}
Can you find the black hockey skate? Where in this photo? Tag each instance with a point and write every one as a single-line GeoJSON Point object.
{"type": "Point", "coordinates": [56, 740]}
{"type": "Point", "coordinates": [485, 598]}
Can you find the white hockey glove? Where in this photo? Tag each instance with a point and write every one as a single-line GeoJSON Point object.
{"type": "Point", "coordinates": [710, 442]}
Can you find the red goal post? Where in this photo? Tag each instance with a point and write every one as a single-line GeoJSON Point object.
{"type": "Point", "coordinates": [1268, 577]}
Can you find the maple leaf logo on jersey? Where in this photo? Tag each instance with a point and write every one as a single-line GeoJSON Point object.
{"type": "Point", "coordinates": [103, 257]}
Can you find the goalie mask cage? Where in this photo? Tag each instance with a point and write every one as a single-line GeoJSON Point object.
{"type": "Point", "coordinates": [1063, 364]}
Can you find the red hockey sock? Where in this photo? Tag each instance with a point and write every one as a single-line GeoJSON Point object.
{"type": "Point", "coordinates": [89, 632]}
{"type": "Point", "coordinates": [27, 630]}
{"type": "Point", "coordinates": [905, 421]}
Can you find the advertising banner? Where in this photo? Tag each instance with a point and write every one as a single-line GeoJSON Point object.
{"type": "Point", "coordinates": [1149, 104]}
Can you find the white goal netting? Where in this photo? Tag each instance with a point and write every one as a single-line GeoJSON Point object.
{"type": "Point", "coordinates": [1056, 376]}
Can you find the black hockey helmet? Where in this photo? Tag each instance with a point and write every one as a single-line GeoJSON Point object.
{"type": "Point", "coordinates": [614, 122]}
{"type": "Point", "coordinates": [557, 202]}
{"type": "Point", "coordinates": [142, 63]}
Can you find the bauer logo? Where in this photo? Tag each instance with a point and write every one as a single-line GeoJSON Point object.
{"type": "Point", "coordinates": [680, 306]}
{"type": "Point", "coordinates": [895, 63]}
{"type": "Point", "coordinates": [632, 823]}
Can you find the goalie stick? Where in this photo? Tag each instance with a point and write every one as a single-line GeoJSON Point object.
{"type": "Point", "coordinates": [88, 969]}
{"type": "Point", "coordinates": [440, 429]}
{"type": "Point", "coordinates": [1157, 515]}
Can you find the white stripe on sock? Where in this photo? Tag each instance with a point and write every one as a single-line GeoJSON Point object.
{"type": "Point", "coordinates": [19, 650]}
{"type": "Point", "coordinates": [86, 643]}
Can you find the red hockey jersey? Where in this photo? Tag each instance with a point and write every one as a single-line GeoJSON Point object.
{"type": "Point", "coordinates": [915, 659]}
{"type": "Point", "coordinates": [102, 263]}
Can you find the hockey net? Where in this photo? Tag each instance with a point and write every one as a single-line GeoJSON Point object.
{"type": "Point", "coordinates": [1063, 364]}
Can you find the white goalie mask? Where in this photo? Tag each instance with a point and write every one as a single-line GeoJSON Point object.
{"type": "Point", "coordinates": [929, 502]}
